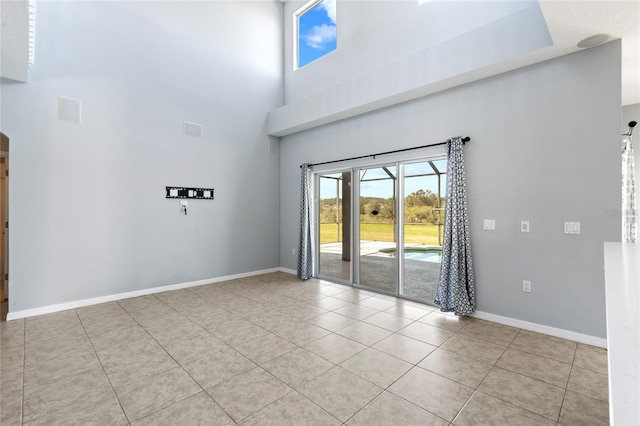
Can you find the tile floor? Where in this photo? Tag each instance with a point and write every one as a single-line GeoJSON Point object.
{"type": "Point", "coordinates": [272, 350]}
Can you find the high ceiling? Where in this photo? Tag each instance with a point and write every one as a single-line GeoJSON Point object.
{"type": "Point", "coordinates": [568, 22]}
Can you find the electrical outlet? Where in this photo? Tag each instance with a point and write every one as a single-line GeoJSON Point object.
{"type": "Point", "coordinates": [293, 252]}
{"type": "Point", "coordinates": [490, 224]}
{"type": "Point", "coordinates": [526, 286]}
{"type": "Point", "coordinates": [524, 226]}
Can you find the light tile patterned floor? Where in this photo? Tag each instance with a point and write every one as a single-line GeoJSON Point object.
{"type": "Point", "coordinates": [273, 350]}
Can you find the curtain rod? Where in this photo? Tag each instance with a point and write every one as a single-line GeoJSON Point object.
{"type": "Point", "coordinates": [464, 140]}
{"type": "Point", "coordinates": [632, 124]}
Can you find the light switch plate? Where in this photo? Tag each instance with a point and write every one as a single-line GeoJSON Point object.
{"type": "Point", "coordinates": [489, 224]}
{"type": "Point", "coordinates": [572, 228]}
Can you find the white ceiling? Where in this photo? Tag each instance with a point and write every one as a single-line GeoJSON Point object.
{"type": "Point", "coordinates": [568, 22]}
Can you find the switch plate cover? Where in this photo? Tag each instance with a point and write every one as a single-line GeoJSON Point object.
{"type": "Point", "coordinates": [572, 228]}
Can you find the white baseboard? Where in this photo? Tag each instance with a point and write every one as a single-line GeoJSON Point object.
{"type": "Point", "coordinates": [288, 271]}
{"type": "Point", "coordinates": [543, 329]}
{"type": "Point", "coordinates": [112, 297]}
{"type": "Point", "coordinates": [525, 325]}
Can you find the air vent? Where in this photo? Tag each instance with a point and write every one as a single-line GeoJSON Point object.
{"type": "Point", "coordinates": [192, 129]}
{"type": "Point", "coordinates": [69, 109]}
{"type": "Point", "coordinates": [594, 40]}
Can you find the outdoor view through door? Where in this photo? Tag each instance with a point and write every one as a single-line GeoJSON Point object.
{"type": "Point", "coordinates": [377, 267]}
{"type": "Point", "coordinates": [423, 226]}
{"type": "Point", "coordinates": [393, 230]}
{"type": "Point", "coordinates": [335, 226]}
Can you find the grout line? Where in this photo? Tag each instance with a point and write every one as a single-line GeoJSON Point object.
{"type": "Point", "coordinates": [174, 360]}
{"type": "Point", "coordinates": [514, 404]}
{"type": "Point", "coordinates": [224, 381]}
{"type": "Point", "coordinates": [566, 388]}
{"type": "Point", "coordinates": [235, 291]}
{"type": "Point", "coordinates": [294, 390]}
{"type": "Point", "coordinates": [101, 365]}
{"type": "Point", "coordinates": [475, 391]}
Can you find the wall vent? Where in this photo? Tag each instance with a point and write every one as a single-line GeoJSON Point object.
{"type": "Point", "coordinates": [192, 129]}
{"type": "Point", "coordinates": [69, 109]}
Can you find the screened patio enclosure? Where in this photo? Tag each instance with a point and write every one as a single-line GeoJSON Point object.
{"type": "Point", "coordinates": [381, 227]}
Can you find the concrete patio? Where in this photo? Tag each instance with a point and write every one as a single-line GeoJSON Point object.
{"type": "Point", "coordinates": [378, 269]}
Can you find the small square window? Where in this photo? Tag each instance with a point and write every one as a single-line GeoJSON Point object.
{"type": "Point", "coordinates": [314, 31]}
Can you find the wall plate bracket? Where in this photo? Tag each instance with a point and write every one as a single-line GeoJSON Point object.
{"type": "Point", "coordinates": [184, 192]}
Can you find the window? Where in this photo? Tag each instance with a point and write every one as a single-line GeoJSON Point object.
{"type": "Point", "coordinates": [314, 31]}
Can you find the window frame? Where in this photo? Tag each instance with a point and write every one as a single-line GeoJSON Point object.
{"type": "Point", "coordinates": [296, 34]}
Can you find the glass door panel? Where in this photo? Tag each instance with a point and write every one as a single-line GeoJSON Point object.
{"type": "Point", "coordinates": [424, 187]}
{"type": "Point", "coordinates": [335, 225]}
{"type": "Point", "coordinates": [377, 262]}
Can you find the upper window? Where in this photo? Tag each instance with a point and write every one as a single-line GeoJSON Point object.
{"type": "Point", "coordinates": [315, 31]}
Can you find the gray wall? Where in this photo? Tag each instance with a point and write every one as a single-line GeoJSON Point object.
{"type": "Point", "coordinates": [418, 53]}
{"type": "Point", "coordinates": [544, 148]}
{"type": "Point", "coordinates": [375, 35]}
{"type": "Point", "coordinates": [87, 208]}
{"type": "Point", "coordinates": [632, 113]}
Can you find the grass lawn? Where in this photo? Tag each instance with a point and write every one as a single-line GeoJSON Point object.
{"type": "Point", "coordinates": [414, 234]}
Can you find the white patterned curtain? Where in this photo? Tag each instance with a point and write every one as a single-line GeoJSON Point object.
{"type": "Point", "coordinates": [305, 247]}
{"type": "Point", "coordinates": [629, 212]}
{"type": "Point", "coordinates": [456, 287]}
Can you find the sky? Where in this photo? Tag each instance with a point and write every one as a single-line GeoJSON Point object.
{"type": "Point", "coordinates": [317, 32]}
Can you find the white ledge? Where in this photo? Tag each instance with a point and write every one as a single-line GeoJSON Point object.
{"type": "Point", "coordinates": [477, 54]}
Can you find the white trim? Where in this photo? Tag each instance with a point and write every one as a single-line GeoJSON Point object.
{"type": "Point", "coordinates": [525, 325]}
{"type": "Point", "coordinates": [296, 29]}
{"type": "Point", "coordinates": [287, 271]}
{"type": "Point", "coordinates": [296, 33]}
{"type": "Point", "coordinates": [544, 329]}
{"type": "Point", "coordinates": [110, 298]}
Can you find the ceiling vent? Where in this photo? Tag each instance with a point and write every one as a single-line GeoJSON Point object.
{"type": "Point", "coordinates": [69, 109]}
{"type": "Point", "coordinates": [594, 40]}
{"type": "Point", "coordinates": [192, 129]}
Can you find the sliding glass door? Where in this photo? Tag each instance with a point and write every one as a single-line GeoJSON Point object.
{"type": "Point", "coordinates": [390, 222]}
{"type": "Point", "coordinates": [334, 218]}
{"type": "Point", "coordinates": [423, 201]}
{"type": "Point", "coordinates": [377, 236]}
